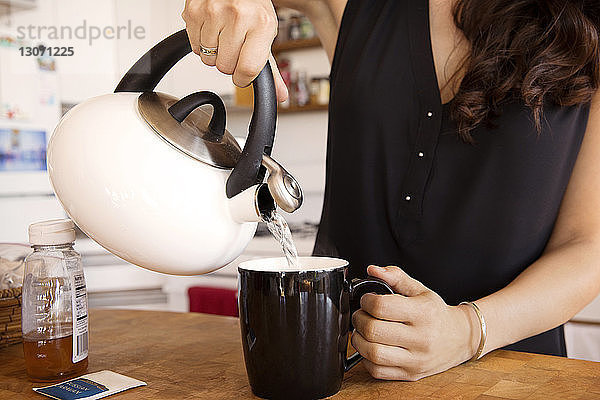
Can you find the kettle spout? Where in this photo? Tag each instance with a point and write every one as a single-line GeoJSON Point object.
{"type": "Point", "coordinates": [252, 204]}
{"type": "Point", "coordinates": [283, 186]}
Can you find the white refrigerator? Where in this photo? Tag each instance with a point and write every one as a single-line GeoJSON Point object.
{"type": "Point", "coordinates": [29, 110]}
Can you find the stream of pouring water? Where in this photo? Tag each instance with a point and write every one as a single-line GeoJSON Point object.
{"type": "Point", "coordinates": [279, 228]}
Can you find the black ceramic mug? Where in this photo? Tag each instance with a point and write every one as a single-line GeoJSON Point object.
{"type": "Point", "coordinates": [295, 325]}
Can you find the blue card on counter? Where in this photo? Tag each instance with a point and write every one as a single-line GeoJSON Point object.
{"type": "Point", "coordinates": [79, 388]}
{"type": "Point", "coordinates": [91, 386]}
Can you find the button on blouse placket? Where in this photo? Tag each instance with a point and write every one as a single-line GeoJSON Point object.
{"type": "Point", "coordinates": [420, 154]}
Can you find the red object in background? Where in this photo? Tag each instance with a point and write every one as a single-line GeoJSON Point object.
{"type": "Point", "coordinates": [210, 300]}
{"type": "Point", "coordinates": [285, 71]}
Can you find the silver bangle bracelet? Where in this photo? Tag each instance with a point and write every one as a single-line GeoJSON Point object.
{"type": "Point", "coordinates": [483, 327]}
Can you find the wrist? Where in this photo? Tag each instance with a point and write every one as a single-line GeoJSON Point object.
{"type": "Point", "coordinates": [471, 332]}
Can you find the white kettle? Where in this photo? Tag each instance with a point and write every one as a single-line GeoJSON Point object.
{"type": "Point", "coordinates": [161, 183]}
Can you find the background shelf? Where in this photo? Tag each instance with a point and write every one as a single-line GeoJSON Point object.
{"type": "Point", "coordinates": [309, 107]}
{"type": "Point", "coordinates": [295, 45]}
{"type": "Point", "coordinates": [280, 110]}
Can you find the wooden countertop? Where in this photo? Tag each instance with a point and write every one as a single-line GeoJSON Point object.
{"type": "Point", "coordinates": [198, 356]}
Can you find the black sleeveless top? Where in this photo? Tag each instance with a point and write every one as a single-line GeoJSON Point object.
{"type": "Point", "coordinates": [402, 189]}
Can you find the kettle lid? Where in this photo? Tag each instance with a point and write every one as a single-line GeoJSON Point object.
{"type": "Point", "coordinates": [194, 135]}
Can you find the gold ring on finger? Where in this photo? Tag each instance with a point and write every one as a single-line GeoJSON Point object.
{"type": "Point", "coordinates": [208, 51]}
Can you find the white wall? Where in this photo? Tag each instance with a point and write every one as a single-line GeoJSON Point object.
{"type": "Point", "coordinates": [91, 70]}
{"type": "Point", "coordinates": [96, 68]}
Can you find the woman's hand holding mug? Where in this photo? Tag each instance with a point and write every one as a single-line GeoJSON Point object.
{"type": "Point", "coordinates": [414, 333]}
{"type": "Point", "coordinates": [235, 36]}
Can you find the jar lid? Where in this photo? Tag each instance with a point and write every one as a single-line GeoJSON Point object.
{"type": "Point", "coordinates": [52, 232]}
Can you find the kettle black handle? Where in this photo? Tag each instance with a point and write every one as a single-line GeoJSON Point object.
{"type": "Point", "coordinates": [145, 74]}
{"type": "Point", "coordinates": [248, 171]}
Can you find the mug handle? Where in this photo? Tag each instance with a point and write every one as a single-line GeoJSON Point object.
{"type": "Point", "coordinates": [356, 289]}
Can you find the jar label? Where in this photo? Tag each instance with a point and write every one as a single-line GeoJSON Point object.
{"type": "Point", "coordinates": [80, 317]}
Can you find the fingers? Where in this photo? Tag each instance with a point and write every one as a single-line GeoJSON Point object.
{"type": "Point", "coordinates": [399, 280]}
{"type": "Point", "coordinates": [209, 38]}
{"type": "Point", "coordinates": [242, 31]}
{"type": "Point", "coordinates": [383, 332]}
{"type": "Point", "coordinates": [391, 307]}
{"type": "Point", "coordinates": [280, 87]}
{"type": "Point", "coordinates": [389, 373]}
{"type": "Point", "coordinates": [410, 335]}
{"type": "Point", "coordinates": [193, 32]}
{"type": "Point", "coordinates": [230, 44]}
{"type": "Point", "coordinates": [193, 15]}
{"type": "Point", "coordinates": [253, 56]}
{"type": "Point", "coordinates": [382, 354]}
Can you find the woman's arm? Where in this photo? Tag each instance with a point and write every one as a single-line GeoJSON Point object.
{"type": "Point", "coordinates": [567, 276]}
{"type": "Point", "coordinates": [416, 334]}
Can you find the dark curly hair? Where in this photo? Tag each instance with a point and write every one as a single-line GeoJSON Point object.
{"type": "Point", "coordinates": [540, 51]}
